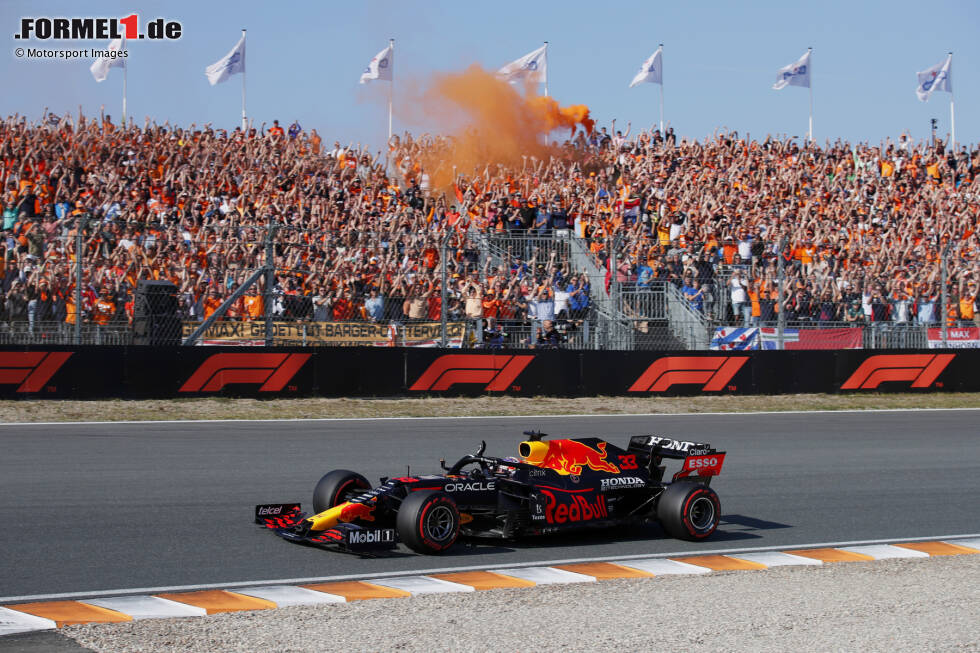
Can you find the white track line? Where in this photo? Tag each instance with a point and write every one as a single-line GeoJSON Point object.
{"type": "Point", "coordinates": [975, 537]}
{"type": "Point", "coordinates": [473, 417]}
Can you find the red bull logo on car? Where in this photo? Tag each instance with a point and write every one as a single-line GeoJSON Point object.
{"type": "Point", "coordinates": [353, 511]}
{"type": "Point", "coordinates": [567, 456]}
{"type": "Point", "coordinates": [577, 506]}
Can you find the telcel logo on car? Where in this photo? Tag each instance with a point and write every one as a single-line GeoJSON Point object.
{"type": "Point", "coordinates": [271, 510]}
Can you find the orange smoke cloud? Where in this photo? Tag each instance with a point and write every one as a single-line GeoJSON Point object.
{"type": "Point", "coordinates": [555, 117]}
{"type": "Point", "coordinates": [494, 123]}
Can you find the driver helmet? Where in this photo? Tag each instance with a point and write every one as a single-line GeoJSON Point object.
{"type": "Point", "coordinates": [507, 469]}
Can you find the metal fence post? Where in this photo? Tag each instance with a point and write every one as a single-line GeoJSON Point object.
{"type": "Point", "coordinates": [270, 279]}
{"type": "Point", "coordinates": [80, 223]}
{"type": "Point", "coordinates": [613, 285]}
{"type": "Point", "coordinates": [944, 311]}
{"type": "Point", "coordinates": [444, 291]}
{"type": "Point", "coordinates": [780, 297]}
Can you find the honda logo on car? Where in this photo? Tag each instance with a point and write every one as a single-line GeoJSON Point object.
{"type": "Point", "coordinates": [622, 482]}
{"type": "Point", "coordinates": [371, 536]}
{"type": "Point", "coordinates": [471, 487]}
{"type": "Point", "coordinates": [573, 507]}
{"type": "Point", "coordinates": [668, 443]}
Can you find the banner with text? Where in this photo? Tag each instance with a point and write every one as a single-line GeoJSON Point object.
{"type": "Point", "coordinates": [958, 337]}
{"type": "Point", "coordinates": [337, 334]}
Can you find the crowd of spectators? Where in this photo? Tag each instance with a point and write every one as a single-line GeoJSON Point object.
{"type": "Point", "coordinates": [361, 235]}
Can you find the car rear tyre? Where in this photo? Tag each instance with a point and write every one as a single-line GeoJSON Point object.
{"type": "Point", "coordinates": [428, 521]}
{"type": "Point", "coordinates": [689, 511]}
{"type": "Point", "coordinates": [336, 487]}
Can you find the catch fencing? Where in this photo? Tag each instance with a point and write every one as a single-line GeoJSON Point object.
{"type": "Point", "coordinates": [275, 285]}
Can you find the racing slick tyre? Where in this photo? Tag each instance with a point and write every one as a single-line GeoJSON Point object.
{"type": "Point", "coordinates": [689, 511]}
{"type": "Point", "coordinates": [428, 521]}
{"type": "Point", "coordinates": [337, 487]}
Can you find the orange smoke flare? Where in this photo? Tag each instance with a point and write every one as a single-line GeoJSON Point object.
{"type": "Point", "coordinates": [555, 117]}
{"type": "Point", "coordinates": [494, 122]}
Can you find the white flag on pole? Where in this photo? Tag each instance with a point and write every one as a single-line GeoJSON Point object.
{"type": "Point", "coordinates": [230, 64]}
{"type": "Point", "coordinates": [381, 66]}
{"type": "Point", "coordinates": [651, 70]}
{"type": "Point", "coordinates": [795, 74]}
{"type": "Point", "coordinates": [532, 67]}
{"type": "Point", "coordinates": [100, 67]}
{"type": "Point", "coordinates": [936, 78]}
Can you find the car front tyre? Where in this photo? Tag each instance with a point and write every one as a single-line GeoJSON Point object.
{"type": "Point", "coordinates": [336, 487]}
{"type": "Point", "coordinates": [428, 521]}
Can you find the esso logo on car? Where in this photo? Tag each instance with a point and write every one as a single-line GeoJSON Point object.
{"type": "Point", "coordinates": [697, 463]}
{"type": "Point", "coordinates": [709, 465]}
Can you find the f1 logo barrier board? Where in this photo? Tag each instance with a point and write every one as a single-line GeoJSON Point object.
{"type": "Point", "coordinates": [164, 372]}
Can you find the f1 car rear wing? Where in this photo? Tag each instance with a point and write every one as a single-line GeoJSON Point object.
{"type": "Point", "coordinates": [668, 447]}
{"type": "Point", "coordinates": [701, 460]}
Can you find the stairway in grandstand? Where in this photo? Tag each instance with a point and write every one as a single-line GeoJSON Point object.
{"type": "Point", "coordinates": [625, 317]}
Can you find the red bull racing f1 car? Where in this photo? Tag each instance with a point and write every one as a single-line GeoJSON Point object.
{"type": "Point", "coordinates": [555, 485]}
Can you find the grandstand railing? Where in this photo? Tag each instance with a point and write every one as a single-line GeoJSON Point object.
{"type": "Point", "coordinates": [62, 333]}
{"type": "Point", "coordinates": [600, 330]}
{"type": "Point", "coordinates": [686, 322]}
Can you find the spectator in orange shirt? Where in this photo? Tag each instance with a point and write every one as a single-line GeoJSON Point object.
{"type": "Point", "coordinates": [104, 308]}
{"type": "Point", "coordinates": [212, 303]}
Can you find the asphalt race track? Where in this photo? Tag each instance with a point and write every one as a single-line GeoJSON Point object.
{"type": "Point", "coordinates": [94, 508]}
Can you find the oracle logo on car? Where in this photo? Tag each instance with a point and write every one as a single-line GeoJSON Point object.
{"type": "Point", "coordinates": [273, 371]}
{"type": "Point", "coordinates": [30, 369]}
{"type": "Point", "coordinates": [711, 372]}
{"type": "Point", "coordinates": [470, 487]}
{"type": "Point", "coordinates": [496, 371]}
{"type": "Point", "coordinates": [921, 369]}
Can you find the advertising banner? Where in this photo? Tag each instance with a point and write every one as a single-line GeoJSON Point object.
{"type": "Point", "coordinates": [957, 337]}
{"type": "Point", "coordinates": [337, 334]}
{"type": "Point", "coordinates": [140, 372]}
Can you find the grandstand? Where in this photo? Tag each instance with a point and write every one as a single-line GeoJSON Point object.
{"type": "Point", "coordinates": [612, 240]}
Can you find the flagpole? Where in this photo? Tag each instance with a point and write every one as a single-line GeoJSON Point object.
{"type": "Point", "coordinates": [810, 75]}
{"type": "Point", "coordinates": [661, 89]}
{"type": "Point", "coordinates": [952, 115]}
{"type": "Point", "coordinates": [391, 88]}
{"type": "Point", "coordinates": [125, 75]}
{"type": "Point", "coordinates": [244, 120]}
{"type": "Point", "coordinates": [546, 80]}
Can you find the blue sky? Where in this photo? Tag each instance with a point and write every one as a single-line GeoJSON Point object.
{"type": "Point", "coordinates": [720, 60]}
